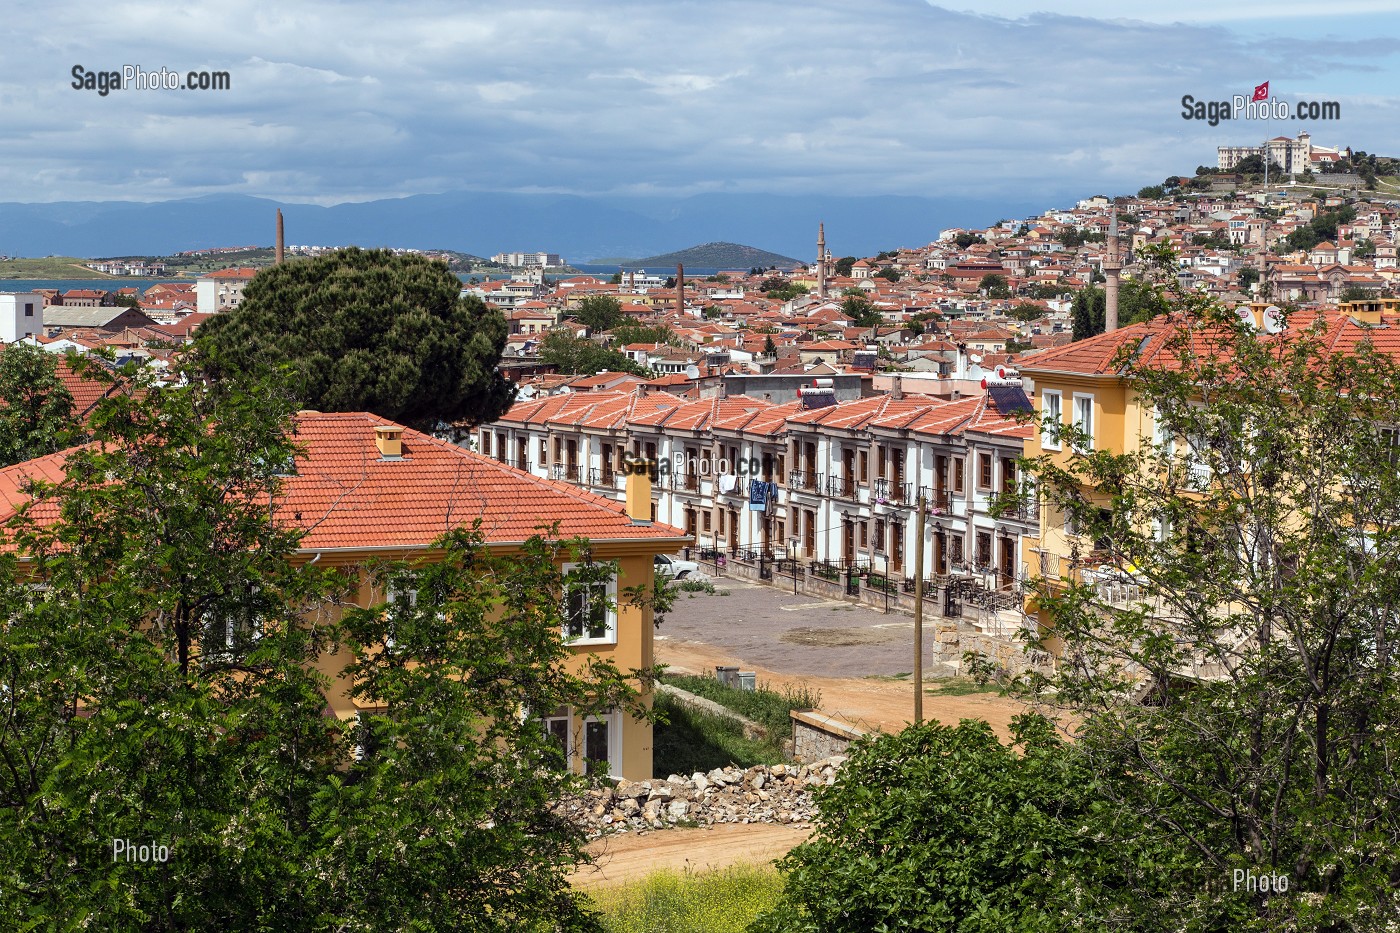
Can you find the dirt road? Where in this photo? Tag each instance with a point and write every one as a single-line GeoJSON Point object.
{"type": "Point", "coordinates": [867, 703]}
{"type": "Point", "coordinates": [632, 856]}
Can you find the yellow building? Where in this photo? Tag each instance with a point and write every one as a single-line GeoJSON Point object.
{"type": "Point", "coordinates": [367, 491]}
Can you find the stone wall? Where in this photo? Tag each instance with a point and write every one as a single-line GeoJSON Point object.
{"type": "Point", "coordinates": [817, 736]}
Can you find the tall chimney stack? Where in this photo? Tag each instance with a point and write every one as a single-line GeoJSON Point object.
{"type": "Point", "coordinates": [821, 260]}
{"type": "Point", "coordinates": [281, 238]}
{"type": "Point", "coordinates": [1111, 266]}
{"type": "Point", "coordinates": [680, 289]}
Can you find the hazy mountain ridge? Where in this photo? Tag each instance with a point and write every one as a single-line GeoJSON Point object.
{"type": "Point", "coordinates": [719, 255]}
{"type": "Point", "coordinates": [484, 223]}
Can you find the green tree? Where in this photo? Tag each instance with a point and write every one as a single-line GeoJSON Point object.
{"type": "Point", "coordinates": [1026, 311]}
{"type": "Point", "coordinates": [1258, 526]}
{"type": "Point", "coordinates": [581, 356]}
{"type": "Point", "coordinates": [844, 265]}
{"type": "Point", "coordinates": [889, 273]}
{"type": "Point", "coordinates": [36, 408]}
{"type": "Point", "coordinates": [860, 310]}
{"type": "Point", "coordinates": [1152, 192]}
{"type": "Point", "coordinates": [160, 687]}
{"type": "Point", "coordinates": [769, 347]}
{"type": "Point", "coordinates": [965, 239]}
{"type": "Point", "coordinates": [940, 828]}
{"type": "Point", "coordinates": [598, 313]}
{"type": "Point", "coordinates": [1322, 227]}
{"type": "Point", "coordinates": [638, 333]}
{"type": "Point", "coordinates": [994, 285]}
{"type": "Point", "coordinates": [367, 330]}
{"type": "Point", "coordinates": [1356, 293]}
{"type": "Point", "coordinates": [1247, 276]}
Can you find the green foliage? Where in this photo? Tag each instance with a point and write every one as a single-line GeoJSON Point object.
{"type": "Point", "coordinates": [367, 330]}
{"type": "Point", "coordinates": [1262, 529]}
{"type": "Point", "coordinates": [714, 312]}
{"type": "Point", "coordinates": [579, 355]}
{"type": "Point", "coordinates": [36, 409]}
{"type": "Point", "coordinates": [1364, 249]}
{"type": "Point", "coordinates": [723, 901]}
{"type": "Point", "coordinates": [941, 828]}
{"type": "Point", "coordinates": [598, 313]}
{"type": "Point", "coordinates": [1025, 311]}
{"type": "Point", "coordinates": [780, 289]}
{"type": "Point", "coordinates": [965, 239]}
{"type": "Point", "coordinates": [161, 687]}
{"type": "Point", "coordinates": [632, 332]}
{"type": "Point", "coordinates": [1138, 300]}
{"type": "Point", "coordinates": [844, 265]}
{"type": "Point", "coordinates": [1154, 192]}
{"type": "Point", "coordinates": [889, 273]}
{"type": "Point", "coordinates": [765, 706]}
{"type": "Point", "coordinates": [1357, 293]}
{"type": "Point", "coordinates": [1322, 227]}
{"type": "Point", "coordinates": [1247, 276]}
{"type": "Point", "coordinates": [1213, 240]}
{"type": "Point", "coordinates": [769, 347]}
{"type": "Point", "coordinates": [686, 740]}
{"type": "Point", "coordinates": [1043, 290]}
{"type": "Point", "coordinates": [860, 310]}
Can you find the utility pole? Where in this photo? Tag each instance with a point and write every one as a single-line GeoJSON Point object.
{"type": "Point", "coordinates": [919, 615]}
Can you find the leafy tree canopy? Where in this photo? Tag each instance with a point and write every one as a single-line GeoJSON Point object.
{"type": "Point", "coordinates": [1227, 662]}
{"type": "Point", "coordinates": [994, 285]}
{"type": "Point", "coordinates": [581, 356]}
{"type": "Point", "coordinates": [860, 310]}
{"type": "Point", "coordinates": [598, 313]}
{"type": "Point", "coordinates": [162, 688]}
{"type": "Point", "coordinates": [36, 408]}
{"type": "Point", "coordinates": [844, 265]}
{"type": "Point", "coordinates": [944, 829]}
{"type": "Point", "coordinates": [367, 330]}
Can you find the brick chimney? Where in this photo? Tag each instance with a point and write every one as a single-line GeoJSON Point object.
{"type": "Point", "coordinates": [281, 238]}
{"type": "Point", "coordinates": [388, 438]}
{"type": "Point", "coordinates": [896, 387]}
{"type": "Point", "coordinates": [640, 474]}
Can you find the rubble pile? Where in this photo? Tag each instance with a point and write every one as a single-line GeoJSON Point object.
{"type": "Point", "coordinates": [761, 794]}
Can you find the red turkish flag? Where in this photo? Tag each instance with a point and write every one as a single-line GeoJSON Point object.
{"type": "Point", "coordinates": [1261, 92]}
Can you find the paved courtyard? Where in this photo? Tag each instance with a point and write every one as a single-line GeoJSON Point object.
{"type": "Point", "coordinates": [774, 629]}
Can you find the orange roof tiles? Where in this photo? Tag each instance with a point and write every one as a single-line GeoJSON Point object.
{"type": "Point", "coordinates": [345, 496]}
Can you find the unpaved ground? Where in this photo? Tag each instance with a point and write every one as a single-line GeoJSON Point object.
{"type": "Point", "coordinates": [885, 704]}
{"type": "Point", "coordinates": [632, 856]}
{"type": "Point", "coordinates": [851, 654]}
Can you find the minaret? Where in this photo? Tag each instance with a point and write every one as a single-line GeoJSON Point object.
{"type": "Point", "coordinates": [821, 260]}
{"type": "Point", "coordinates": [1111, 268]}
{"type": "Point", "coordinates": [281, 238]}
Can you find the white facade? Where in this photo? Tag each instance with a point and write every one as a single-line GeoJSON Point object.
{"type": "Point", "coordinates": [21, 315]}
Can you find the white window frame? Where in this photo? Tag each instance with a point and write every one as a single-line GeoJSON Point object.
{"type": "Point", "coordinates": [565, 715]}
{"type": "Point", "coordinates": [1085, 401]}
{"type": "Point", "coordinates": [613, 721]}
{"type": "Point", "coordinates": [392, 594]}
{"type": "Point", "coordinates": [1048, 441]}
{"type": "Point", "coordinates": [609, 636]}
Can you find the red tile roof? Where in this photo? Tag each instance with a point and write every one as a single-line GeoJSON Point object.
{"type": "Point", "coordinates": [347, 497]}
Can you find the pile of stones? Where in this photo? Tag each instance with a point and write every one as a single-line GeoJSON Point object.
{"type": "Point", "coordinates": [762, 794]}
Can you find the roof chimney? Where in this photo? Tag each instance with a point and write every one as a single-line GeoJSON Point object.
{"type": "Point", "coordinates": [640, 474]}
{"type": "Point", "coordinates": [388, 438]}
{"type": "Point", "coordinates": [896, 387]}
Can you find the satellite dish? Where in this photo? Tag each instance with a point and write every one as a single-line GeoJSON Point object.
{"type": "Point", "coordinates": [692, 372]}
{"type": "Point", "coordinates": [1273, 319]}
{"type": "Point", "coordinates": [974, 358]}
{"type": "Point", "coordinates": [1245, 315]}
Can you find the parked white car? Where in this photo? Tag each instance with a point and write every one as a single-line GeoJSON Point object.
{"type": "Point", "coordinates": [673, 568]}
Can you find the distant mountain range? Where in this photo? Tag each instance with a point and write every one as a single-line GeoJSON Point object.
{"type": "Point", "coordinates": [716, 256]}
{"type": "Point", "coordinates": [576, 227]}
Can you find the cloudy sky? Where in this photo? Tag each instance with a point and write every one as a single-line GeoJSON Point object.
{"type": "Point", "coordinates": [345, 100]}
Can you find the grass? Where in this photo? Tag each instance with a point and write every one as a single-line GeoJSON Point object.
{"type": "Point", "coordinates": [765, 706]}
{"type": "Point", "coordinates": [51, 267]}
{"type": "Point", "coordinates": [961, 687]}
{"type": "Point", "coordinates": [690, 741]}
{"type": "Point", "coordinates": [686, 902]}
